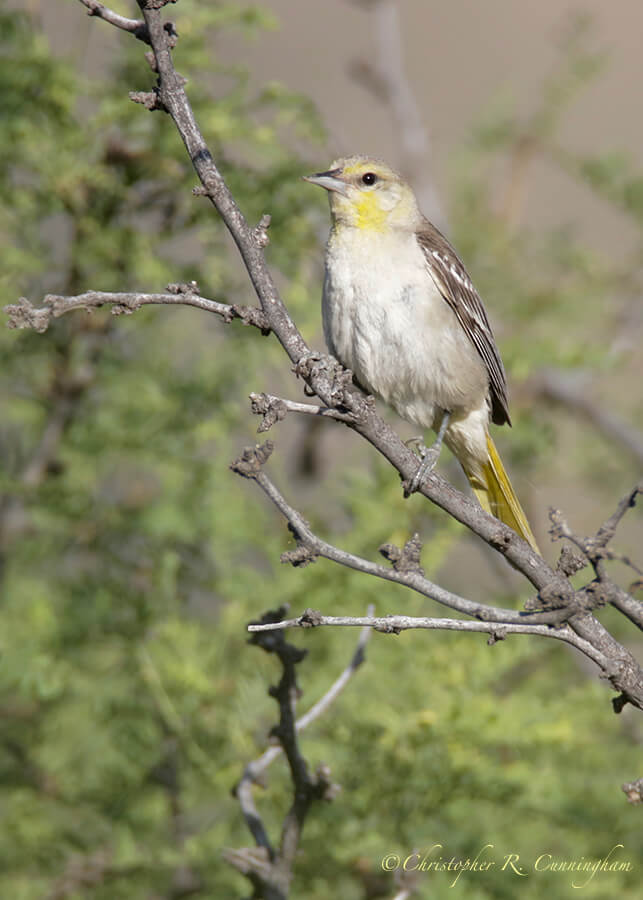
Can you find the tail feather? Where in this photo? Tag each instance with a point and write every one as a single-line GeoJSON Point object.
{"type": "Point", "coordinates": [496, 495]}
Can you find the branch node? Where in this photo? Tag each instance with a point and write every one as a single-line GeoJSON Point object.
{"type": "Point", "coordinates": [150, 59]}
{"type": "Point", "coordinates": [569, 562]}
{"type": "Point", "coordinates": [272, 409]}
{"type": "Point", "coordinates": [249, 861]}
{"type": "Point", "coordinates": [156, 4]}
{"type": "Point", "coordinates": [170, 29]}
{"type": "Point", "coordinates": [551, 596]}
{"type": "Point", "coordinates": [252, 459]}
{"type": "Point", "coordinates": [260, 232]}
{"type": "Point", "coordinates": [24, 315]}
{"type": "Point", "coordinates": [326, 376]}
{"type": "Point", "coordinates": [594, 596]}
{"type": "Point", "coordinates": [124, 309]}
{"type": "Point", "coordinates": [325, 789]}
{"type": "Point", "coordinates": [149, 99]}
{"type": "Point", "coordinates": [299, 558]}
{"type": "Point", "coordinates": [499, 635]}
{"type": "Point", "coordinates": [252, 315]}
{"type": "Point", "coordinates": [502, 538]}
{"type": "Point", "coordinates": [559, 527]}
{"type": "Point", "coordinates": [388, 627]}
{"type": "Point", "coordinates": [310, 618]}
{"type": "Point", "coordinates": [408, 558]}
{"type": "Point", "coordinates": [184, 287]}
{"type": "Point", "coordinates": [633, 790]}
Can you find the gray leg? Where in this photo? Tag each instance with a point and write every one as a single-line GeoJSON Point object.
{"type": "Point", "coordinates": [429, 456]}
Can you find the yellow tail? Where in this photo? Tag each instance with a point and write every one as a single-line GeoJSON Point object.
{"type": "Point", "coordinates": [496, 495]}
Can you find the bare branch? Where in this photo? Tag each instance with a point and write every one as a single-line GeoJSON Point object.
{"type": "Point", "coordinates": [270, 870]}
{"type": "Point", "coordinates": [310, 546]}
{"type": "Point", "coordinates": [244, 794]}
{"type": "Point", "coordinates": [581, 629]}
{"type": "Point", "coordinates": [24, 315]}
{"type": "Point", "coordinates": [137, 27]}
{"type": "Point", "coordinates": [622, 671]}
{"type": "Point", "coordinates": [274, 409]}
{"type": "Point", "coordinates": [596, 551]}
{"type": "Point", "coordinates": [172, 95]}
{"type": "Point", "coordinates": [608, 529]}
{"type": "Point", "coordinates": [254, 770]}
{"type": "Point", "coordinates": [338, 686]}
{"type": "Point", "coordinates": [626, 604]}
{"type": "Point", "coordinates": [395, 624]}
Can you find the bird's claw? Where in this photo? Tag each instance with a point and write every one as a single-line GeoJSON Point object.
{"type": "Point", "coordinates": [428, 459]}
{"type": "Point", "coordinates": [428, 456]}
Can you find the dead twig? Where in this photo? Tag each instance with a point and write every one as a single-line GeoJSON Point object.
{"type": "Point", "coordinates": [267, 867]}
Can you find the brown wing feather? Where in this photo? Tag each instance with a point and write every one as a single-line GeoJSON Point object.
{"type": "Point", "coordinates": [451, 279]}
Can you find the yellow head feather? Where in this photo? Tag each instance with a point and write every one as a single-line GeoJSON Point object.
{"type": "Point", "coordinates": [367, 194]}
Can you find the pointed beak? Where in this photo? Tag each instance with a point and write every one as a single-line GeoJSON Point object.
{"type": "Point", "coordinates": [330, 180]}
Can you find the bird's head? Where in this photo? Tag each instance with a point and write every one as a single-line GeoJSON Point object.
{"type": "Point", "coordinates": [366, 194]}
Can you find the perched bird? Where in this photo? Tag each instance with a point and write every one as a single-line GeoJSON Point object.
{"type": "Point", "coordinates": [400, 311]}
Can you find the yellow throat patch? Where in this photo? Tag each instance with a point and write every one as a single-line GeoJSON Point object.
{"type": "Point", "coordinates": [361, 211]}
{"type": "Point", "coordinates": [369, 215]}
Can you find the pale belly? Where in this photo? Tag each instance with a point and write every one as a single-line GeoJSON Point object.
{"type": "Point", "coordinates": [398, 335]}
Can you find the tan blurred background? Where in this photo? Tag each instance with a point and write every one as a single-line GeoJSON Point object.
{"type": "Point", "coordinates": [459, 57]}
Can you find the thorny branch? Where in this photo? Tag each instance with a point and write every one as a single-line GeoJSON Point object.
{"type": "Point", "coordinates": [24, 315]}
{"type": "Point", "coordinates": [273, 409]}
{"type": "Point", "coordinates": [136, 26]}
{"type": "Point", "coordinates": [596, 552]}
{"type": "Point", "coordinates": [395, 624]}
{"type": "Point", "coordinates": [496, 622]}
{"type": "Point", "coordinates": [310, 546]}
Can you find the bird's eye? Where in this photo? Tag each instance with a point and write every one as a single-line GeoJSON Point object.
{"type": "Point", "coordinates": [369, 178]}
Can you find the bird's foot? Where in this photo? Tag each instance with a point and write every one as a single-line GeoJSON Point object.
{"type": "Point", "coordinates": [428, 457]}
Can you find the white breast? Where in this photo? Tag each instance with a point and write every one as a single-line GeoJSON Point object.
{"type": "Point", "coordinates": [385, 319]}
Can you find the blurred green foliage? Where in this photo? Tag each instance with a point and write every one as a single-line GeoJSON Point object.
{"type": "Point", "coordinates": [131, 558]}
